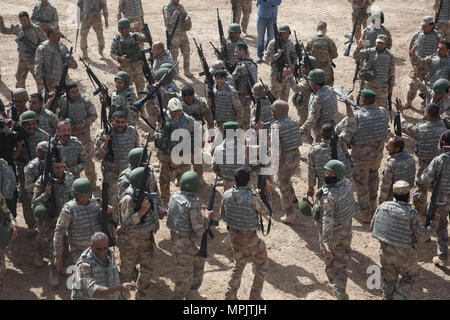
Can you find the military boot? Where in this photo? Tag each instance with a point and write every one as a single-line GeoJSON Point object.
{"type": "Point", "coordinates": [340, 294]}
{"type": "Point", "coordinates": [363, 217]}
{"type": "Point", "coordinates": [373, 206]}
{"type": "Point", "coordinates": [440, 261]}
{"type": "Point", "coordinates": [195, 295]}
{"type": "Point", "coordinates": [84, 54]}
{"type": "Point", "coordinates": [188, 74]}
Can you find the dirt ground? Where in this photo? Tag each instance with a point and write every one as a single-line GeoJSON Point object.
{"type": "Point", "coordinates": [295, 268]}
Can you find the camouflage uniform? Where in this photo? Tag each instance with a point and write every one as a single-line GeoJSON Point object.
{"type": "Point", "coordinates": [32, 171]}
{"type": "Point", "coordinates": [180, 40]}
{"type": "Point", "coordinates": [82, 111]}
{"type": "Point", "coordinates": [437, 68]}
{"type": "Point", "coordinates": [371, 33]}
{"type": "Point", "coordinates": [122, 143]}
{"type": "Point", "coordinates": [48, 121]}
{"type": "Point", "coordinates": [45, 14]}
{"type": "Point", "coordinates": [122, 101]}
{"type": "Point", "coordinates": [186, 224]}
{"type": "Point", "coordinates": [243, 85]}
{"type": "Point", "coordinates": [443, 103]}
{"type": "Point", "coordinates": [228, 106]}
{"type": "Point", "coordinates": [442, 22]}
{"type": "Point", "coordinates": [28, 39]}
{"type": "Point", "coordinates": [278, 83]}
{"type": "Point", "coordinates": [241, 207]}
{"type": "Point", "coordinates": [398, 228]}
{"type": "Point", "coordinates": [441, 162]}
{"type": "Point", "coordinates": [7, 180]}
{"type": "Point", "coordinates": [93, 273]}
{"type": "Point", "coordinates": [399, 166]}
{"type": "Point", "coordinates": [163, 58]}
{"type": "Point", "coordinates": [244, 8]}
{"type": "Point", "coordinates": [324, 50]}
{"type": "Point", "coordinates": [90, 17]}
{"type": "Point", "coordinates": [132, 10]}
{"type": "Point", "coordinates": [359, 13]}
{"type": "Point", "coordinates": [303, 90]}
{"type": "Point", "coordinates": [7, 216]}
{"type": "Point", "coordinates": [230, 44]}
{"type": "Point", "coordinates": [136, 241]}
{"type": "Point", "coordinates": [46, 228]}
{"type": "Point", "coordinates": [74, 155]}
{"type": "Point", "coordinates": [427, 136]}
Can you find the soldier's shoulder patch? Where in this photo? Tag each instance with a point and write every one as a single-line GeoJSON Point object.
{"type": "Point", "coordinates": [84, 155]}
{"type": "Point", "coordinates": [324, 205]}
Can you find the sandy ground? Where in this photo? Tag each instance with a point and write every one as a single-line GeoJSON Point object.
{"type": "Point", "coordinates": [295, 268]}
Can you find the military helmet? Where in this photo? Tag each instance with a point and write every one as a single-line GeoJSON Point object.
{"type": "Point", "coordinates": [136, 177]}
{"type": "Point", "coordinates": [134, 156]}
{"type": "Point", "coordinates": [233, 125]}
{"type": "Point", "coordinates": [440, 86]}
{"type": "Point", "coordinates": [161, 72]}
{"type": "Point", "coordinates": [123, 23]}
{"type": "Point", "coordinates": [312, 59]}
{"type": "Point", "coordinates": [284, 28]}
{"type": "Point", "coordinates": [81, 186]}
{"type": "Point", "coordinates": [317, 76]}
{"type": "Point", "coordinates": [337, 167]}
{"type": "Point", "coordinates": [5, 235]}
{"type": "Point", "coordinates": [122, 75]}
{"type": "Point", "coordinates": [28, 116]}
{"type": "Point", "coordinates": [305, 207]}
{"type": "Point", "coordinates": [258, 91]}
{"type": "Point", "coordinates": [234, 27]}
{"type": "Point", "coordinates": [280, 109]}
{"type": "Point", "coordinates": [40, 212]}
{"type": "Point", "coordinates": [190, 182]}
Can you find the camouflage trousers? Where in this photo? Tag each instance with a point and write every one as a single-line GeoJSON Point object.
{"type": "Point", "coordinates": [244, 9]}
{"type": "Point", "coordinates": [2, 265]}
{"type": "Point", "coordinates": [110, 176]}
{"type": "Point", "coordinates": [329, 73]}
{"type": "Point", "coordinates": [136, 248]}
{"type": "Point", "coordinates": [89, 169]}
{"type": "Point", "coordinates": [94, 21]}
{"type": "Point", "coordinates": [444, 29]}
{"type": "Point", "coordinates": [258, 255]}
{"type": "Point", "coordinates": [442, 229]}
{"type": "Point", "coordinates": [366, 180]}
{"type": "Point", "coordinates": [23, 67]}
{"type": "Point", "coordinates": [44, 237]}
{"type": "Point", "coordinates": [302, 112]}
{"type": "Point", "coordinates": [397, 262]}
{"type": "Point", "coordinates": [420, 193]}
{"type": "Point", "coordinates": [362, 22]}
{"type": "Point", "coordinates": [136, 75]}
{"type": "Point", "coordinates": [381, 91]}
{"type": "Point", "coordinates": [279, 89]}
{"type": "Point", "coordinates": [414, 86]}
{"type": "Point", "coordinates": [181, 43]}
{"type": "Point", "coordinates": [190, 266]}
{"type": "Point", "coordinates": [245, 103]}
{"type": "Point", "coordinates": [25, 198]}
{"type": "Point", "coordinates": [336, 266]}
{"type": "Point", "coordinates": [289, 161]}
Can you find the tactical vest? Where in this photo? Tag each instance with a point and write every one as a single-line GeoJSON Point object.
{"type": "Point", "coordinates": [429, 134]}
{"type": "Point", "coordinates": [7, 180]}
{"type": "Point", "coordinates": [132, 9]}
{"type": "Point", "coordinates": [123, 181]}
{"type": "Point", "coordinates": [43, 121]}
{"type": "Point", "coordinates": [122, 143]}
{"type": "Point", "coordinates": [151, 223]}
{"type": "Point", "coordinates": [372, 34]}
{"type": "Point", "coordinates": [444, 14]}
{"type": "Point", "coordinates": [85, 222]}
{"type": "Point", "coordinates": [372, 125]}
{"type": "Point", "coordinates": [232, 59]}
{"type": "Point", "coordinates": [165, 57]}
{"type": "Point", "coordinates": [444, 187]}
{"type": "Point", "coordinates": [427, 43]}
{"type": "Point", "coordinates": [224, 109]}
{"type": "Point", "coordinates": [329, 103]}
{"type": "Point", "coordinates": [404, 167]}
{"type": "Point", "coordinates": [266, 113]}
{"type": "Point", "coordinates": [171, 7]}
{"type": "Point", "coordinates": [239, 214]}
{"type": "Point", "coordinates": [107, 276]}
{"type": "Point", "coordinates": [192, 109]}
{"type": "Point", "coordinates": [33, 141]}
{"type": "Point", "coordinates": [27, 41]}
{"type": "Point", "coordinates": [289, 133]}
{"type": "Point", "coordinates": [289, 50]}
{"type": "Point", "coordinates": [43, 14]}
{"type": "Point", "coordinates": [91, 7]}
{"type": "Point", "coordinates": [249, 66]}
{"type": "Point", "coordinates": [71, 151]}
{"type": "Point", "coordinates": [229, 165]}
{"type": "Point", "coordinates": [62, 191]}
{"type": "Point", "coordinates": [128, 46]}
{"type": "Point", "coordinates": [122, 100]}
{"type": "Point", "coordinates": [178, 219]}
{"type": "Point", "coordinates": [440, 68]}
{"type": "Point", "coordinates": [53, 60]}
{"type": "Point", "coordinates": [381, 64]}
{"type": "Point", "coordinates": [392, 224]}
{"type": "Point", "coordinates": [320, 49]}
{"type": "Point", "coordinates": [346, 208]}
{"type": "Point", "coordinates": [36, 167]}
{"type": "Point", "coordinates": [74, 110]}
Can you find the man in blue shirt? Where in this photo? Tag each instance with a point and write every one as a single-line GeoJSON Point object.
{"type": "Point", "coordinates": [267, 16]}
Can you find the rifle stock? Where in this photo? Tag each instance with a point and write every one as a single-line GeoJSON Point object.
{"type": "Point", "coordinates": [351, 39]}
{"type": "Point", "coordinates": [203, 252]}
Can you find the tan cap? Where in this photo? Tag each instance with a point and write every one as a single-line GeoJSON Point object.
{"type": "Point", "coordinates": [427, 20]}
{"type": "Point", "coordinates": [20, 94]}
{"type": "Point", "coordinates": [401, 187]}
{"type": "Point", "coordinates": [174, 104]}
{"type": "Point", "coordinates": [382, 38]}
{"type": "Point", "coordinates": [216, 66]}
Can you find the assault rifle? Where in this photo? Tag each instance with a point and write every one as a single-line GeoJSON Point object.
{"type": "Point", "coordinates": [209, 78]}
{"type": "Point", "coordinates": [221, 57]}
{"type": "Point", "coordinates": [433, 206]}
{"type": "Point", "coordinates": [223, 53]}
{"type": "Point", "coordinates": [397, 120]}
{"type": "Point", "coordinates": [298, 51]}
{"type": "Point", "coordinates": [148, 37]}
{"type": "Point", "coordinates": [52, 152]}
{"type": "Point", "coordinates": [148, 75]}
{"type": "Point", "coordinates": [339, 91]}
{"type": "Point", "coordinates": [351, 39]}
{"type": "Point", "coordinates": [61, 87]}
{"type": "Point", "coordinates": [22, 133]}
{"type": "Point", "coordinates": [282, 60]}
{"type": "Point", "coordinates": [269, 94]}
{"type": "Point", "coordinates": [436, 15]}
{"type": "Point", "coordinates": [390, 105]}
{"type": "Point", "coordinates": [355, 78]}
{"type": "Point", "coordinates": [105, 218]}
{"type": "Point", "coordinates": [170, 37]}
{"type": "Point", "coordinates": [250, 82]}
{"type": "Point", "coordinates": [333, 145]}
{"type": "Point", "coordinates": [203, 252]}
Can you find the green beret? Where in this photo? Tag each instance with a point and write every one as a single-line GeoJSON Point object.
{"type": "Point", "coordinates": [241, 45]}
{"type": "Point", "coordinates": [368, 93]}
{"type": "Point", "coordinates": [230, 125]}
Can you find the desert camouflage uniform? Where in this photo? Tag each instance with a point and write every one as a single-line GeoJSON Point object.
{"type": "Point", "coordinates": [32, 171]}
{"type": "Point", "coordinates": [241, 207]}
{"type": "Point", "coordinates": [7, 216]}
{"type": "Point", "coordinates": [82, 111]}
{"type": "Point", "coordinates": [45, 14]}
{"type": "Point", "coordinates": [74, 155]}
{"type": "Point", "coordinates": [28, 39]}
{"type": "Point", "coordinates": [7, 180]}
{"type": "Point", "coordinates": [132, 10]}
{"type": "Point", "coordinates": [443, 103]}
{"type": "Point", "coordinates": [122, 101]}
{"type": "Point", "coordinates": [164, 57]}
{"type": "Point", "coordinates": [398, 228]}
{"type": "Point", "coordinates": [437, 68]}
{"type": "Point", "coordinates": [228, 106]}
{"type": "Point", "coordinates": [324, 50]}
{"type": "Point", "coordinates": [243, 84]}
{"type": "Point", "coordinates": [244, 8]}
{"type": "Point", "coordinates": [360, 12]}
{"type": "Point", "coordinates": [90, 16]}
{"type": "Point", "coordinates": [442, 22]}
{"type": "Point", "coordinates": [232, 59]}
{"type": "Point", "coordinates": [303, 90]}
{"type": "Point", "coordinates": [371, 33]}
{"type": "Point", "coordinates": [48, 121]}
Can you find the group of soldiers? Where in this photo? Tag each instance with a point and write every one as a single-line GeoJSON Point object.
{"type": "Point", "coordinates": [46, 145]}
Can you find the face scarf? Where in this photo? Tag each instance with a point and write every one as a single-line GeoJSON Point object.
{"type": "Point", "coordinates": [404, 197]}
{"type": "Point", "coordinates": [330, 180]}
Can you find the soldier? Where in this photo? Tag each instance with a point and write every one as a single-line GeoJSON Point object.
{"type": "Point", "coordinates": [399, 166]}
{"type": "Point", "coordinates": [8, 231]}
{"type": "Point", "coordinates": [114, 158]}
{"type": "Point", "coordinates": [123, 97]}
{"type": "Point", "coordinates": [51, 55]}
{"type": "Point", "coordinates": [80, 219]}
{"type": "Point", "coordinates": [397, 226]}
{"type": "Point", "coordinates": [125, 50]}
{"type": "Point", "coordinates": [45, 15]}
{"type": "Point", "coordinates": [440, 164]}
{"type": "Point", "coordinates": [289, 142]}
{"type": "Point", "coordinates": [322, 105]}
{"type": "Point", "coordinates": [220, 66]}
{"type": "Point", "coordinates": [90, 17]}
{"type": "Point", "coordinates": [72, 152]}
{"type": "Point", "coordinates": [427, 135]}
{"type": "Point", "coordinates": [234, 36]}
{"type": "Point", "coordinates": [134, 156]}
{"type": "Point", "coordinates": [35, 167]}
{"type": "Point", "coordinates": [8, 186]}
{"type": "Point", "coordinates": [48, 121]}
{"type": "Point", "coordinates": [135, 236]}
{"type": "Point", "coordinates": [29, 36]}
{"type": "Point", "coordinates": [48, 200]}
{"type": "Point", "coordinates": [240, 208]}
{"type": "Point", "coordinates": [161, 56]}
{"type": "Point", "coordinates": [427, 41]}
{"type": "Point", "coordinates": [96, 273]}
{"type": "Point", "coordinates": [27, 149]}
{"type": "Point", "coordinates": [442, 25]}
{"type": "Point", "coordinates": [80, 110]}
{"type": "Point", "coordinates": [195, 107]}
{"type": "Point", "coordinates": [266, 117]}
{"type": "Point", "coordinates": [245, 76]}
{"type": "Point", "coordinates": [186, 224]}
{"type": "Point", "coordinates": [278, 83]}
{"type": "Point", "coordinates": [133, 11]}
{"type": "Point", "coordinates": [175, 119]}
{"type": "Point", "coordinates": [20, 98]}
{"type": "Point", "coordinates": [360, 14]}
{"type": "Point", "coordinates": [371, 32]}
{"type": "Point", "coordinates": [367, 151]}
{"type": "Point", "coordinates": [378, 69]}
{"type": "Point", "coordinates": [244, 8]}
{"type": "Point", "coordinates": [324, 50]}
{"type": "Point", "coordinates": [323, 151]}
{"type": "Point", "coordinates": [177, 22]}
